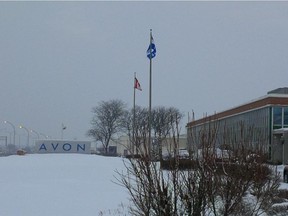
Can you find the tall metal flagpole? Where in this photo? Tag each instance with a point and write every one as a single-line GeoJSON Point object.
{"type": "Point", "coordinates": [133, 130]}
{"type": "Point", "coordinates": [150, 96]}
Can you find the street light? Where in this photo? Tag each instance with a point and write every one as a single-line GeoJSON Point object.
{"type": "Point", "coordinates": [21, 126]}
{"type": "Point", "coordinates": [35, 133]}
{"type": "Point", "coordinates": [45, 136]}
{"type": "Point", "coordinates": [14, 130]}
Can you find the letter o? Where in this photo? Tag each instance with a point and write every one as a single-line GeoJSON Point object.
{"type": "Point", "coordinates": [65, 148]}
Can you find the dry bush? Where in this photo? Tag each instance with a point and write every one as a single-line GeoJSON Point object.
{"type": "Point", "coordinates": [206, 184]}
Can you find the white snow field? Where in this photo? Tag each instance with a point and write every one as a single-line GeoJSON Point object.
{"type": "Point", "coordinates": [60, 185]}
{"type": "Point", "coordinates": [64, 185]}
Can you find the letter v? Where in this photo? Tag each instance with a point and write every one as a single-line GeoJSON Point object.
{"type": "Point", "coordinates": [54, 147]}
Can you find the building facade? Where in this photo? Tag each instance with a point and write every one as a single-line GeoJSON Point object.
{"type": "Point", "coordinates": [122, 145]}
{"type": "Point", "coordinates": [261, 123]}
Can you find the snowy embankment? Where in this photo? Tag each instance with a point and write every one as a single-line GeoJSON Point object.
{"type": "Point", "coordinates": [60, 185]}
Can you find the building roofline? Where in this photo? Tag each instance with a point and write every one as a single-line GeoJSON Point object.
{"type": "Point", "coordinates": [267, 100]}
{"type": "Point", "coordinates": [258, 99]}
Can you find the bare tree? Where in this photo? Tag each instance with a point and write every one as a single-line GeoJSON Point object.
{"type": "Point", "coordinates": [231, 175]}
{"type": "Point", "coordinates": [107, 121]}
{"type": "Point", "coordinates": [213, 184]}
{"type": "Point", "coordinates": [138, 130]}
{"type": "Point", "coordinates": [164, 121]}
{"type": "Point", "coordinates": [151, 189]}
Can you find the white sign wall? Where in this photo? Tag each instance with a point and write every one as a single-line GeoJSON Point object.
{"type": "Point", "coordinates": [63, 146]}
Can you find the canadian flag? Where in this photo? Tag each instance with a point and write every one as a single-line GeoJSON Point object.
{"type": "Point", "coordinates": [137, 84]}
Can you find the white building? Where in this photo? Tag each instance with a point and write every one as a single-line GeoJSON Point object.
{"type": "Point", "coordinates": [123, 145]}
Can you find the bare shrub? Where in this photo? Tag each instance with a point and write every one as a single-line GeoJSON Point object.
{"type": "Point", "coordinates": [232, 181]}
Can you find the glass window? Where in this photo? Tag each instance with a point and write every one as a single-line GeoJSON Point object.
{"type": "Point", "coordinates": [285, 116]}
{"type": "Point", "coordinates": [277, 117]}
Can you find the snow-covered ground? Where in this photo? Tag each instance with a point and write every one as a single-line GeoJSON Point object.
{"type": "Point", "coordinates": [283, 185]}
{"type": "Point", "coordinates": [63, 184]}
{"type": "Point", "coordinates": [60, 185]}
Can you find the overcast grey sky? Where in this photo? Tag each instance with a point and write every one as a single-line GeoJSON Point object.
{"type": "Point", "coordinates": [59, 59]}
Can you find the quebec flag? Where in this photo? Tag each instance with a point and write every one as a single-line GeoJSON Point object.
{"type": "Point", "coordinates": [151, 51]}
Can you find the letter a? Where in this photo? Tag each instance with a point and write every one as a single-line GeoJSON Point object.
{"type": "Point", "coordinates": [43, 147]}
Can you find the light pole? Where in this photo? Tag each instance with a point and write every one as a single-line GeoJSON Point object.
{"type": "Point", "coordinates": [14, 130]}
{"type": "Point", "coordinates": [35, 133]}
{"type": "Point", "coordinates": [63, 128]}
{"type": "Point", "coordinates": [21, 126]}
{"type": "Point", "coordinates": [45, 136]}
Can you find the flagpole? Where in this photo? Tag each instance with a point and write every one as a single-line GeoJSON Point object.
{"type": "Point", "coordinates": [150, 97]}
{"type": "Point", "coordinates": [62, 130]}
{"type": "Point", "coordinates": [133, 129]}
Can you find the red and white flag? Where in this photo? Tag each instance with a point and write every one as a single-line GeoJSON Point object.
{"type": "Point", "coordinates": [137, 84]}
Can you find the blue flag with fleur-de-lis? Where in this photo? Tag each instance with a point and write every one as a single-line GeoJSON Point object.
{"type": "Point", "coordinates": [151, 51]}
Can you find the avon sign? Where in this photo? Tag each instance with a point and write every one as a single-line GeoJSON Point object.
{"type": "Point", "coordinates": [61, 146]}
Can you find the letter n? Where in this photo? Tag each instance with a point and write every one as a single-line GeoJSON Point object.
{"type": "Point", "coordinates": [80, 147]}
